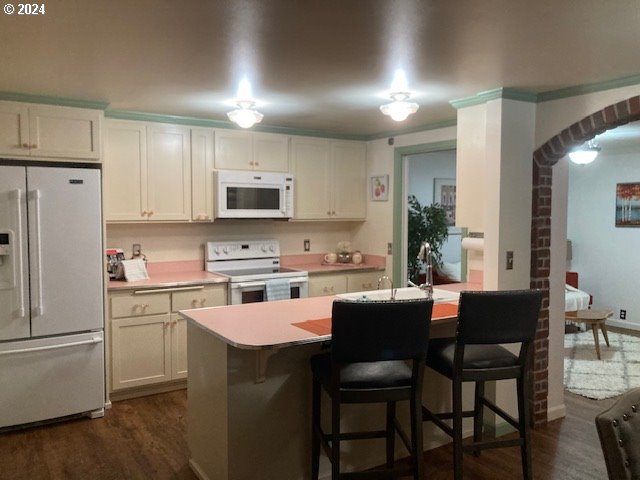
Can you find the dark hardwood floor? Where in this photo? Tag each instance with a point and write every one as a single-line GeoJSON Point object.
{"type": "Point", "coordinates": [144, 438]}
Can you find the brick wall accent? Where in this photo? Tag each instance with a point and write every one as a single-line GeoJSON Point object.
{"type": "Point", "coordinates": [544, 158]}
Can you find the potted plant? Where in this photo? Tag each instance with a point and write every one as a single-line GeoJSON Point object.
{"type": "Point", "coordinates": [428, 223]}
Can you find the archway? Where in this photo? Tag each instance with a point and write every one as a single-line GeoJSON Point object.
{"type": "Point", "coordinates": [544, 158]}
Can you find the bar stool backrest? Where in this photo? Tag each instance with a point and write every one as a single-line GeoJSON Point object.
{"type": "Point", "coordinates": [372, 331]}
{"type": "Point", "coordinates": [507, 316]}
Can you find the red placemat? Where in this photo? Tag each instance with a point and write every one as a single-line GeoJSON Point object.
{"type": "Point", "coordinates": [321, 326]}
{"type": "Point", "coordinates": [444, 310]}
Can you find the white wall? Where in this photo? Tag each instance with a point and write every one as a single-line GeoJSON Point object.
{"type": "Point", "coordinates": [606, 257]}
{"type": "Point", "coordinates": [173, 242]}
{"type": "Point", "coordinates": [423, 168]}
{"type": "Point", "coordinates": [374, 234]}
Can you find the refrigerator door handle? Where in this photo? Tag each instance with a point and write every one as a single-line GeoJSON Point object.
{"type": "Point", "coordinates": [92, 341]}
{"type": "Point", "coordinates": [18, 266]}
{"type": "Point", "coordinates": [39, 307]}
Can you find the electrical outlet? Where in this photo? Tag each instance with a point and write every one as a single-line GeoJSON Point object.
{"type": "Point", "coordinates": [307, 245]}
{"type": "Point", "coordinates": [389, 248]}
{"type": "Point", "coordinates": [509, 260]}
{"type": "Point", "coordinates": [623, 314]}
{"type": "Point", "coordinates": [136, 250]}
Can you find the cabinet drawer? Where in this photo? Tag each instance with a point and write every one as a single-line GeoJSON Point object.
{"type": "Point", "coordinates": [137, 305]}
{"type": "Point", "coordinates": [363, 282]}
{"type": "Point", "coordinates": [327, 285]}
{"type": "Point", "coordinates": [199, 297]}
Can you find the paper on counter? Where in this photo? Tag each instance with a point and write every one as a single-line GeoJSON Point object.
{"type": "Point", "coordinates": [135, 270]}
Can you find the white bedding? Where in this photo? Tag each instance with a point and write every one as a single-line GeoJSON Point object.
{"type": "Point", "coordinates": [575, 299]}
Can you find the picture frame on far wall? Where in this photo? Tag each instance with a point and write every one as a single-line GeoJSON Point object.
{"type": "Point", "coordinates": [444, 193]}
{"type": "Point", "coordinates": [379, 187]}
{"type": "Point", "coordinates": [628, 205]}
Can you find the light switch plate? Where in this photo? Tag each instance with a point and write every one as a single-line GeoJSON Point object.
{"type": "Point", "coordinates": [136, 250]}
{"type": "Point", "coordinates": [307, 245]}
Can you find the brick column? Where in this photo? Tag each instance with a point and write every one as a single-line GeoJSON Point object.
{"type": "Point", "coordinates": [543, 160]}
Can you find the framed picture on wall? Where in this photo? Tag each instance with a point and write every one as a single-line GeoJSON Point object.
{"type": "Point", "coordinates": [379, 185]}
{"type": "Point", "coordinates": [444, 193]}
{"type": "Point", "coordinates": [628, 205]}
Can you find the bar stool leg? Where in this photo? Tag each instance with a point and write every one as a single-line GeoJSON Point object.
{"type": "Point", "coordinates": [417, 448]}
{"type": "Point", "coordinates": [478, 415]}
{"type": "Point", "coordinates": [335, 437]}
{"type": "Point", "coordinates": [315, 435]}
{"type": "Point", "coordinates": [457, 428]}
{"type": "Point", "coordinates": [523, 421]}
{"type": "Point", "coordinates": [391, 433]}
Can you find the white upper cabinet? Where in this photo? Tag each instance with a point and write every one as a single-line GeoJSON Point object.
{"type": "Point", "coordinates": [125, 171]}
{"type": "Point", "coordinates": [147, 172]}
{"type": "Point", "coordinates": [202, 174]}
{"type": "Point", "coordinates": [169, 172]}
{"type": "Point", "coordinates": [244, 150]}
{"type": "Point", "coordinates": [330, 179]}
{"type": "Point", "coordinates": [30, 130]}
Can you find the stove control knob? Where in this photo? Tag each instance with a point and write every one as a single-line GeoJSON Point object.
{"type": "Point", "coordinates": [225, 249]}
{"type": "Point", "coordinates": [263, 248]}
{"type": "Point", "coordinates": [216, 250]}
{"type": "Point", "coordinates": [272, 248]}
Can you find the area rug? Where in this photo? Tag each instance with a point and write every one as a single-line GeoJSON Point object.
{"type": "Point", "coordinates": [617, 372]}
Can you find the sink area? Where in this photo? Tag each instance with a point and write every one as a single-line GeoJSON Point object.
{"type": "Point", "coordinates": [406, 293]}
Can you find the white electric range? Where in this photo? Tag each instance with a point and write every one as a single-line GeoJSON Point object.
{"type": "Point", "coordinates": [251, 266]}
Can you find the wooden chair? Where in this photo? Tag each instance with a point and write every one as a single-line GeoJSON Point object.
{"type": "Point", "coordinates": [370, 344]}
{"type": "Point", "coordinates": [486, 320]}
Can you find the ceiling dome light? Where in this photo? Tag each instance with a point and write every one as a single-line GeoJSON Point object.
{"type": "Point", "coordinates": [585, 153]}
{"type": "Point", "coordinates": [399, 109]}
{"type": "Point", "coordinates": [245, 116]}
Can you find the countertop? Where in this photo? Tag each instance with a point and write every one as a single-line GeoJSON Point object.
{"type": "Point", "coordinates": [314, 264]}
{"type": "Point", "coordinates": [170, 275]}
{"type": "Point", "coordinates": [257, 326]}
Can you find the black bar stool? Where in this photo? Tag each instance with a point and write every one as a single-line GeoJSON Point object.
{"type": "Point", "coordinates": [485, 320]}
{"type": "Point", "coordinates": [369, 345]}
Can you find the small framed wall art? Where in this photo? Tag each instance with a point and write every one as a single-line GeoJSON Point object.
{"type": "Point", "coordinates": [444, 193]}
{"type": "Point", "coordinates": [628, 205]}
{"type": "Point", "coordinates": [379, 185]}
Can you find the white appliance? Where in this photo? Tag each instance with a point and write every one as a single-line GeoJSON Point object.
{"type": "Point", "coordinates": [250, 265]}
{"type": "Point", "coordinates": [51, 294]}
{"type": "Point", "coordinates": [243, 194]}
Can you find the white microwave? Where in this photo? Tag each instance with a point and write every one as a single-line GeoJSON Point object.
{"type": "Point", "coordinates": [248, 194]}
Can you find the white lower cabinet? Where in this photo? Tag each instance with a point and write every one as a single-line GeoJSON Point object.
{"type": "Point", "coordinates": [335, 283]}
{"type": "Point", "coordinates": [365, 281]}
{"type": "Point", "coordinates": [147, 336]}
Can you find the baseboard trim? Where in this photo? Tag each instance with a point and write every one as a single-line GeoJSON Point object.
{"type": "Point", "coordinates": [195, 468]}
{"type": "Point", "coordinates": [148, 390]}
{"type": "Point", "coordinates": [556, 412]}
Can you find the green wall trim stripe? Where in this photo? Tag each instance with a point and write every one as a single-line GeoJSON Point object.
{"type": "Point", "coordinates": [421, 128]}
{"type": "Point", "coordinates": [588, 88]}
{"type": "Point", "coordinates": [59, 101]}
{"type": "Point", "coordinates": [204, 122]}
{"type": "Point", "coordinates": [399, 194]}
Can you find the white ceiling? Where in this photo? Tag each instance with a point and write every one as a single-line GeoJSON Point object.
{"type": "Point", "coordinates": [314, 64]}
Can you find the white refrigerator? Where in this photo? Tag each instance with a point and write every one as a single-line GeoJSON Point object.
{"type": "Point", "coordinates": [51, 294]}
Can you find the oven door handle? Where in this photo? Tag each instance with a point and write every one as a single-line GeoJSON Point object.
{"type": "Point", "coordinates": [263, 283]}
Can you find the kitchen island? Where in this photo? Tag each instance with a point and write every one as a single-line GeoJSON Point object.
{"type": "Point", "coordinates": [249, 390]}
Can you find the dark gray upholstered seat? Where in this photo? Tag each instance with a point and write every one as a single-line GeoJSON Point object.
{"type": "Point", "coordinates": [378, 353]}
{"type": "Point", "coordinates": [486, 320]}
{"type": "Point", "coordinates": [619, 432]}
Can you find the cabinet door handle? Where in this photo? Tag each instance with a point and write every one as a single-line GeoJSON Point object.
{"type": "Point", "coordinates": [33, 145]}
{"type": "Point", "coordinates": [251, 163]}
{"type": "Point", "coordinates": [329, 212]}
{"type": "Point", "coordinates": [203, 301]}
{"type": "Point", "coordinates": [150, 213]}
{"type": "Point", "coordinates": [24, 145]}
{"type": "Point", "coordinates": [194, 302]}
{"type": "Point", "coordinates": [257, 164]}
{"type": "Point", "coordinates": [143, 213]}
{"type": "Point", "coordinates": [333, 212]}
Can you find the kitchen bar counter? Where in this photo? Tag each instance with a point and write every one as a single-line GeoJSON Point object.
{"type": "Point", "coordinates": [314, 263]}
{"type": "Point", "coordinates": [170, 275]}
{"type": "Point", "coordinates": [249, 392]}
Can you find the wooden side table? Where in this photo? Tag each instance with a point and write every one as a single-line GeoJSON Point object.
{"type": "Point", "coordinates": [595, 318]}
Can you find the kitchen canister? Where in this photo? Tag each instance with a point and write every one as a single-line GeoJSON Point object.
{"type": "Point", "coordinates": [356, 257]}
{"type": "Point", "coordinates": [330, 258]}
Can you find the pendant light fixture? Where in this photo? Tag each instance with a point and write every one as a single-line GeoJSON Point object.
{"type": "Point", "coordinates": [245, 116]}
{"type": "Point", "coordinates": [585, 153]}
{"type": "Point", "coordinates": [400, 108]}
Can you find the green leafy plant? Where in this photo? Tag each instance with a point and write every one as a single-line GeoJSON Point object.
{"type": "Point", "coordinates": [425, 223]}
